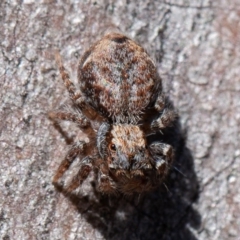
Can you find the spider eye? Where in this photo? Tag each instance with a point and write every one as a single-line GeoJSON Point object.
{"type": "Point", "coordinates": [113, 147]}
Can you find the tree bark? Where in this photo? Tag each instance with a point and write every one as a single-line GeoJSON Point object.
{"type": "Point", "coordinates": [196, 48]}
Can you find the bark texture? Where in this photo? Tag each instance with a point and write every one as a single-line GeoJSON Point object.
{"type": "Point", "coordinates": [197, 51]}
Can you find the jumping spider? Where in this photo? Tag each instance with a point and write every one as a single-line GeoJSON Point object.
{"type": "Point", "coordinates": [121, 107]}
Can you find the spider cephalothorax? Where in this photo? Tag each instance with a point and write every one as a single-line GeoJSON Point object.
{"type": "Point", "coordinates": [119, 105]}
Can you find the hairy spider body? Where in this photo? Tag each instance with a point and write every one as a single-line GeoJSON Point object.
{"type": "Point", "coordinates": [118, 78]}
{"type": "Point", "coordinates": [120, 106]}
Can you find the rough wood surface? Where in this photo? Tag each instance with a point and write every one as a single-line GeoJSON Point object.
{"type": "Point", "coordinates": [196, 45]}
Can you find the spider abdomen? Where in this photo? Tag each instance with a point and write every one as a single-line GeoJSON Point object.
{"type": "Point", "coordinates": [118, 78]}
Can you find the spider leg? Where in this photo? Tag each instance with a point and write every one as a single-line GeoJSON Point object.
{"type": "Point", "coordinates": [164, 120]}
{"type": "Point", "coordinates": [163, 156]}
{"type": "Point", "coordinates": [73, 152]}
{"type": "Point", "coordinates": [85, 168]}
{"type": "Point", "coordinates": [160, 103]}
{"type": "Point", "coordinates": [105, 182]}
{"type": "Point", "coordinates": [76, 95]}
{"type": "Point", "coordinates": [82, 122]}
{"type": "Point", "coordinates": [167, 116]}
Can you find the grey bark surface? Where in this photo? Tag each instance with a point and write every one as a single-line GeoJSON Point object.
{"type": "Point", "coordinates": [196, 47]}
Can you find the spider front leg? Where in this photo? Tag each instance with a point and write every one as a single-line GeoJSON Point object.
{"type": "Point", "coordinates": [105, 182]}
{"type": "Point", "coordinates": [77, 149]}
{"type": "Point", "coordinates": [163, 156]}
{"type": "Point", "coordinates": [167, 116]}
{"type": "Point", "coordinates": [85, 168]}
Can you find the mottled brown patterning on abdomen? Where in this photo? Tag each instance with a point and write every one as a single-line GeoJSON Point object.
{"type": "Point", "coordinates": [118, 78]}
